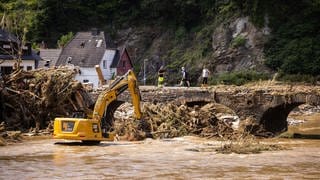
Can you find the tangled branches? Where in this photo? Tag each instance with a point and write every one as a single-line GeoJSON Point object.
{"type": "Point", "coordinates": [34, 98]}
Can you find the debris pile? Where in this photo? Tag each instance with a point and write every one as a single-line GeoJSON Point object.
{"type": "Point", "coordinates": [32, 99]}
{"type": "Point", "coordinates": [8, 136]}
{"type": "Point", "coordinates": [305, 109]}
{"type": "Point", "coordinates": [170, 120]}
{"type": "Point", "coordinates": [247, 145]}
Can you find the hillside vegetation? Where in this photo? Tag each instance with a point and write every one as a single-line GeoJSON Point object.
{"type": "Point", "coordinates": [180, 32]}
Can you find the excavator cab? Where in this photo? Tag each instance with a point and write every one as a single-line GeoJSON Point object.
{"type": "Point", "coordinates": [98, 126]}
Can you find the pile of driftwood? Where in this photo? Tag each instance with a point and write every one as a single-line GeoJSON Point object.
{"type": "Point", "coordinates": [170, 120]}
{"type": "Point", "coordinates": [8, 136]}
{"type": "Point", "coordinates": [30, 100]}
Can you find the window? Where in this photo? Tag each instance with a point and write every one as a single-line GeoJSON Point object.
{"type": "Point", "coordinates": [6, 70]}
{"type": "Point", "coordinates": [69, 59]}
{"type": "Point", "coordinates": [83, 43]}
{"type": "Point", "coordinates": [6, 46]}
{"type": "Point", "coordinates": [104, 64]}
{"type": "Point", "coordinates": [85, 80]}
{"type": "Point", "coordinates": [123, 64]}
{"type": "Point", "coordinates": [47, 64]}
{"type": "Point", "coordinates": [99, 43]}
{"type": "Point", "coordinates": [29, 68]}
{"type": "Point", "coordinates": [67, 126]}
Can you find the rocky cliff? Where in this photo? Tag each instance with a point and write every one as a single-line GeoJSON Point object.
{"type": "Point", "coordinates": [228, 46]}
{"type": "Point", "coordinates": [239, 46]}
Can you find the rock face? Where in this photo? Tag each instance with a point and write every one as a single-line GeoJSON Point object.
{"type": "Point", "coordinates": [234, 45]}
{"type": "Point", "coordinates": [239, 46]}
{"type": "Point", "coordinates": [146, 46]}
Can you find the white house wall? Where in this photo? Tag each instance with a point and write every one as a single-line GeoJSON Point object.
{"type": "Point", "coordinates": [24, 64]}
{"type": "Point", "coordinates": [88, 74]}
{"type": "Point", "coordinates": [106, 70]}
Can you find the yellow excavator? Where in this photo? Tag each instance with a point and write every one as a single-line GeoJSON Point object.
{"type": "Point", "coordinates": [97, 127]}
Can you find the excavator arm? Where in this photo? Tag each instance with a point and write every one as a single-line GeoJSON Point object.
{"type": "Point", "coordinates": [127, 81]}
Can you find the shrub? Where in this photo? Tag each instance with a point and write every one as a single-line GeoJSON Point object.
{"type": "Point", "coordinates": [239, 77]}
{"type": "Point", "coordinates": [180, 33]}
{"type": "Point", "coordinates": [238, 41]}
{"type": "Point", "coordinates": [297, 78]}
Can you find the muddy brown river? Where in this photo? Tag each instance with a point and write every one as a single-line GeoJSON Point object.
{"type": "Point", "coordinates": [156, 159]}
{"type": "Point", "coordinates": [178, 158]}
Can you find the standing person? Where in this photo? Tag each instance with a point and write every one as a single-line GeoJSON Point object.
{"type": "Point", "coordinates": [161, 72]}
{"type": "Point", "coordinates": [205, 75]}
{"type": "Point", "coordinates": [185, 79]}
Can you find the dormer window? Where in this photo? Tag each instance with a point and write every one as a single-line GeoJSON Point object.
{"type": "Point", "coordinates": [6, 46]}
{"type": "Point", "coordinates": [69, 59]}
{"type": "Point", "coordinates": [82, 44]}
{"type": "Point", "coordinates": [99, 43]}
{"type": "Point", "coordinates": [47, 64]}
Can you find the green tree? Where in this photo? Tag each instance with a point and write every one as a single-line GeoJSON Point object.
{"type": "Point", "coordinates": [17, 18]}
{"type": "Point", "coordinates": [295, 45]}
{"type": "Point", "coordinates": [64, 39]}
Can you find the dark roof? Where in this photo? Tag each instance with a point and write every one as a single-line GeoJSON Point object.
{"type": "Point", "coordinates": [116, 59]}
{"type": "Point", "coordinates": [33, 56]}
{"type": "Point", "coordinates": [85, 50]}
{"type": "Point", "coordinates": [51, 55]}
{"type": "Point", "coordinates": [7, 37]}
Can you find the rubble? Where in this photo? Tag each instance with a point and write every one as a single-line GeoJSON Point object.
{"type": "Point", "coordinates": [30, 100]}
{"type": "Point", "coordinates": [169, 120]}
{"type": "Point", "coordinates": [8, 136]}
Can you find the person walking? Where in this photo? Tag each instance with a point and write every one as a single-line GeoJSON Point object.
{"type": "Point", "coordinates": [185, 78]}
{"type": "Point", "coordinates": [205, 75]}
{"type": "Point", "coordinates": [161, 72]}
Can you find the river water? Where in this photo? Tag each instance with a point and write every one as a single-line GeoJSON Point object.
{"type": "Point", "coordinates": [156, 159]}
{"type": "Point", "coordinates": [177, 158]}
